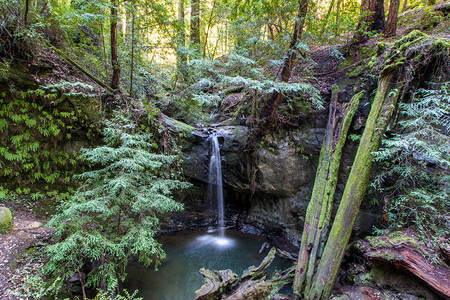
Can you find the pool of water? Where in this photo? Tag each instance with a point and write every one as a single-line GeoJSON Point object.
{"type": "Point", "coordinates": [187, 252]}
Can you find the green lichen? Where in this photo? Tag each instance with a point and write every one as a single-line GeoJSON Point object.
{"type": "Point", "coordinates": [5, 220]}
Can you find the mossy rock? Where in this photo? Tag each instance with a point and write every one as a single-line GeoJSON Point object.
{"type": "Point", "coordinates": [430, 19]}
{"type": "Point", "coordinates": [5, 220]}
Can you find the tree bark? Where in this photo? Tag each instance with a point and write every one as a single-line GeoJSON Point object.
{"type": "Point", "coordinates": [195, 24]}
{"type": "Point", "coordinates": [133, 16]}
{"type": "Point", "coordinates": [208, 27]}
{"type": "Point", "coordinates": [391, 24]}
{"type": "Point", "coordinates": [338, 8]}
{"type": "Point", "coordinates": [405, 4]}
{"type": "Point", "coordinates": [25, 15]}
{"type": "Point", "coordinates": [379, 117]}
{"type": "Point", "coordinates": [319, 209]}
{"type": "Point", "coordinates": [267, 114]}
{"type": "Point", "coordinates": [372, 19]}
{"type": "Point", "coordinates": [181, 41]}
{"type": "Point", "coordinates": [325, 19]}
{"type": "Point", "coordinates": [114, 59]}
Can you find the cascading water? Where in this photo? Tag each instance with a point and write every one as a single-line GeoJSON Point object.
{"type": "Point", "coordinates": [215, 189]}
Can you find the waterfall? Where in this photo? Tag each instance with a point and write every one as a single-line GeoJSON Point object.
{"type": "Point", "coordinates": [215, 190]}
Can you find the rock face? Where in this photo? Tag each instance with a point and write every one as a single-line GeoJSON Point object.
{"type": "Point", "coordinates": [5, 220]}
{"type": "Point", "coordinates": [284, 176]}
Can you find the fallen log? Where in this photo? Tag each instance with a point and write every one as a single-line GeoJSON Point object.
{"type": "Point", "coordinates": [406, 252]}
{"type": "Point", "coordinates": [253, 284]}
{"type": "Point", "coordinates": [216, 282]}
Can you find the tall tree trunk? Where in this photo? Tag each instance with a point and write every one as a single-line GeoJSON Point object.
{"type": "Point", "coordinates": [195, 24]}
{"type": "Point", "coordinates": [325, 19]}
{"type": "Point", "coordinates": [372, 19]}
{"type": "Point", "coordinates": [319, 209]}
{"type": "Point", "coordinates": [114, 59]}
{"type": "Point", "coordinates": [405, 4]}
{"type": "Point", "coordinates": [104, 56]}
{"type": "Point", "coordinates": [338, 8]}
{"type": "Point", "coordinates": [391, 24]}
{"type": "Point", "coordinates": [208, 27]}
{"type": "Point", "coordinates": [267, 114]}
{"type": "Point", "coordinates": [133, 16]}
{"type": "Point", "coordinates": [379, 117]}
{"type": "Point", "coordinates": [180, 42]}
{"type": "Point", "coordinates": [25, 15]}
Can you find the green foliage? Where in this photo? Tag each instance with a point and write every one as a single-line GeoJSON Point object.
{"type": "Point", "coordinates": [16, 40]}
{"type": "Point", "coordinates": [239, 70]}
{"type": "Point", "coordinates": [113, 217]}
{"type": "Point", "coordinates": [415, 165]}
{"type": "Point", "coordinates": [36, 134]}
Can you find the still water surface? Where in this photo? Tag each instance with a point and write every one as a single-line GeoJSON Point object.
{"type": "Point", "coordinates": [187, 252]}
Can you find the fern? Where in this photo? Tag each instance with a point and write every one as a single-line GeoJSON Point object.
{"type": "Point", "coordinates": [415, 165]}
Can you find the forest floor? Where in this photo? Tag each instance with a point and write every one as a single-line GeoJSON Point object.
{"type": "Point", "coordinates": [17, 262]}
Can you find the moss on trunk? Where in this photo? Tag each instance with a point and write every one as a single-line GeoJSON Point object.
{"type": "Point", "coordinates": [379, 117]}
{"type": "Point", "coordinates": [319, 209]}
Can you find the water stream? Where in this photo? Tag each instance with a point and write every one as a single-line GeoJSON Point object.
{"type": "Point", "coordinates": [215, 188]}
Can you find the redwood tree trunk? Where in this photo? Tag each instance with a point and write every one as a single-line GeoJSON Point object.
{"type": "Point", "coordinates": [181, 40]}
{"type": "Point", "coordinates": [372, 19]}
{"type": "Point", "coordinates": [114, 60]}
{"type": "Point", "coordinates": [405, 4]}
{"type": "Point", "coordinates": [25, 15]}
{"type": "Point", "coordinates": [391, 25]}
{"type": "Point", "coordinates": [379, 117]}
{"type": "Point", "coordinates": [132, 48]}
{"type": "Point", "coordinates": [195, 24]}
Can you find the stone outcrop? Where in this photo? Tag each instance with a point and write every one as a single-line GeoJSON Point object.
{"type": "Point", "coordinates": [284, 176]}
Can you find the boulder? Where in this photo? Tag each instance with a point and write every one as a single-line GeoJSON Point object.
{"type": "Point", "coordinates": [5, 220]}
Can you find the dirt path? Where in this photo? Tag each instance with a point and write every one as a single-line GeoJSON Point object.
{"type": "Point", "coordinates": [27, 234]}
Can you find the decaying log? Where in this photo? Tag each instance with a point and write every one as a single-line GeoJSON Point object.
{"type": "Point", "coordinates": [257, 272]}
{"type": "Point", "coordinates": [445, 251]}
{"type": "Point", "coordinates": [405, 251]}
{"type": "Point", "coordinates": [287, 256]}
{"type": "Point", "coordinates": [216, 282]}
{"type": "Point", "coordinates": [253, 284]}
{"type": "Point", "coordinates": [260, 289]}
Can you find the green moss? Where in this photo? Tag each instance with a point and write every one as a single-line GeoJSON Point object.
{"type": "Point", "coordinates": [356, 71]}
{"type": "Point", "coordinates": [394, 239]}
{"type": "Point", "coordinates": [430, 19]}
{"type": "Point", "coordinates": [367, 51]}
{"type": "Point", "coordinates": [411, 37]}
{"type": "Point", "coordinates": [5, 220]}
{"type": "Point", "coordinates": [381, 47]}
{"type": "Point", "coordinates": [177, 126]}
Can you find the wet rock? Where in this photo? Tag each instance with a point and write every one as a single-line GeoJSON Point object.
{"type": "Point", "coordinates": [284, 175]}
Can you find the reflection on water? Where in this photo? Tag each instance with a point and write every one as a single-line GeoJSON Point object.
{"type": "Point", "coordinates": [187, 252]}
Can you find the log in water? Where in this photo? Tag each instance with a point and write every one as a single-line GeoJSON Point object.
{"type": "Point", "coordinates": [178, 277]}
